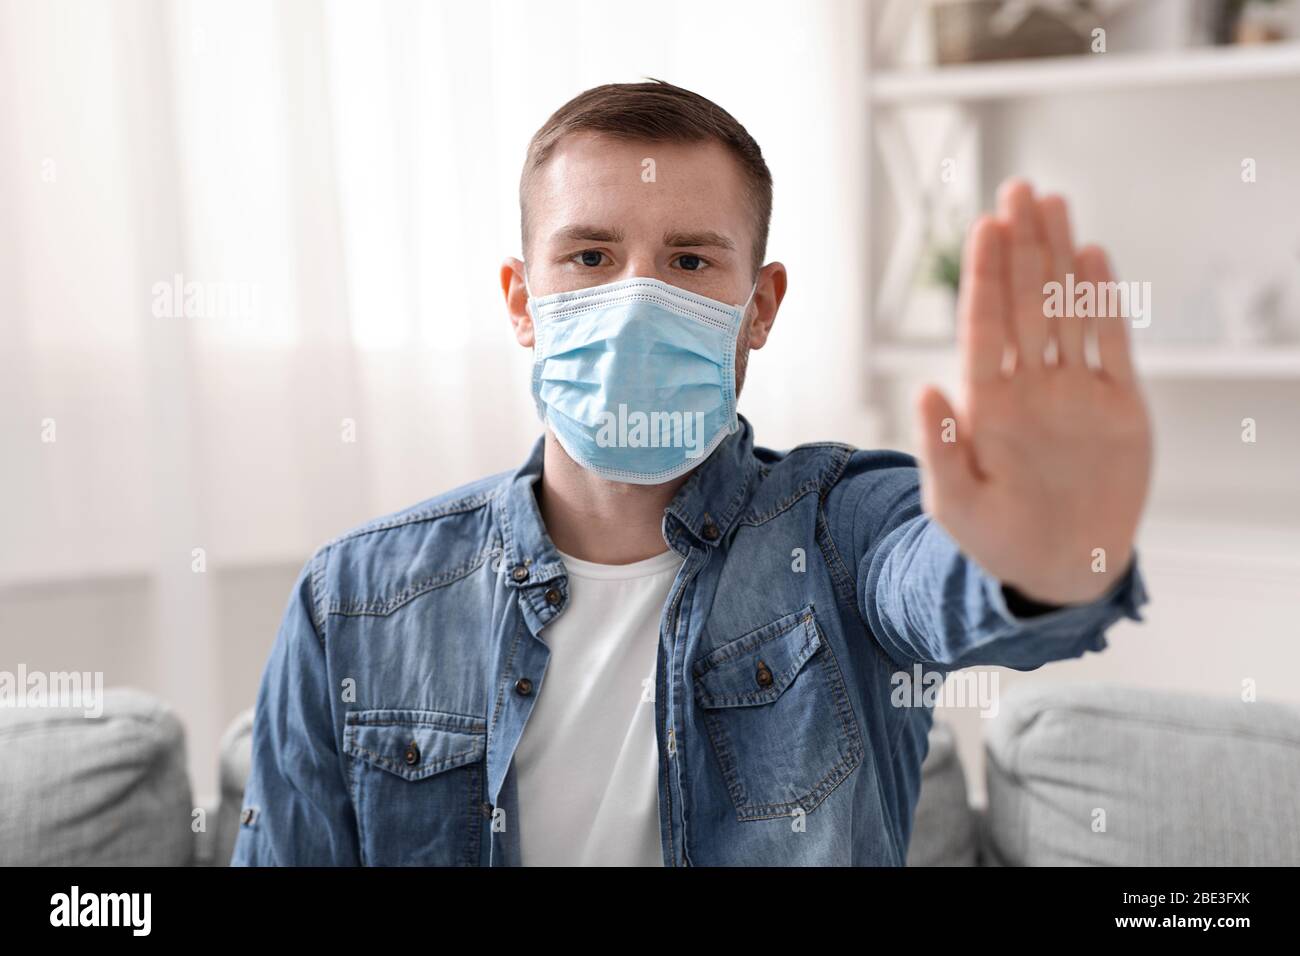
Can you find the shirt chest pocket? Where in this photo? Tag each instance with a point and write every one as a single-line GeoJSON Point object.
{"type": "Point", "coordinates": [778, 717]}
{"type": "Point", "coordinates": [417, 779]}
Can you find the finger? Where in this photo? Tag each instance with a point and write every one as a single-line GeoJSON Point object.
{"type": "Point", "coordinates": [949, 479]}
{"type": "Point", "coordinates": [982, 319]}
{"type": "Point", "coordinates": [1026, 271]}
{"type": "Point", "coordinates": [1054, 220]}
{"type": "Point", "coordinates": [1109, 325]}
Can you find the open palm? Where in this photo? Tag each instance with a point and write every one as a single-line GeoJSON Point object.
{"type": "Point", "coordinates": [1041, 472]}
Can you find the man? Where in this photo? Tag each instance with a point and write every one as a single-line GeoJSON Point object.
{"type": "Point", "coordinates": [656, 643]}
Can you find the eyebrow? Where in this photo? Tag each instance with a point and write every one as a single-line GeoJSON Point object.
{"type": "Point", "coordinates": [705, 238]}
{"type": "Point", "coordinates": [585, 233]}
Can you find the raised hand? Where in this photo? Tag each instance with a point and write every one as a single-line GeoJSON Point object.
{"type": "Point", "coordinates": [1047, 457]}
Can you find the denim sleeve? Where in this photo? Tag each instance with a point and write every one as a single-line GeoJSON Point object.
{"type": "Point", "coordinates": [296, 793]}
{"type": "Point", "coordinates": [926, 602]}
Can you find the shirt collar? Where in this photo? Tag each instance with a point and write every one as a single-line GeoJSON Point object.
{"type": "Point", "coordinates": [706, 506]}
{"type": "Point", "coordinates": [530, 557]}
{"type": "Point", "coordinates": [716, 492]}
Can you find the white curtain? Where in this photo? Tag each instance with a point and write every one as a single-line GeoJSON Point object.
{"type": "Point", "coordinates": [332, 187]}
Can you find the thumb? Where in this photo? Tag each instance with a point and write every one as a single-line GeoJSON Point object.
{"type": "Point", "coordinates": [947, 479]}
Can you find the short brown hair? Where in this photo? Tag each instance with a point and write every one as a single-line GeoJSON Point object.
{"type": "Point", "coordinates": [654, 111]}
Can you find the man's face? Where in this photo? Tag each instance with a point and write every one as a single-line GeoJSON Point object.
{"type": "Point", "coordinates": [604, 209]}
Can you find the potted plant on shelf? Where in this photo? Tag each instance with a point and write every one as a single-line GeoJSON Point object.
{"type": "Point", "coordinates": [931, 315]}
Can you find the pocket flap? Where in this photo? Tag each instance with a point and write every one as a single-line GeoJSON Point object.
{"type": "Point", "coordinates": [414, 744]}
{"type": "Point", "coordinates": [758, 667]}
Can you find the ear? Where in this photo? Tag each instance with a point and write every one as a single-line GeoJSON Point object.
{"type": "Point", "coordinates": [516, 294]}
{"type": "Point", "coordinates": [767, 299]}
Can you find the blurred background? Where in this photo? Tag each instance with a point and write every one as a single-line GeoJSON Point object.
{"type": "Point", "coordinates": [248, 291]}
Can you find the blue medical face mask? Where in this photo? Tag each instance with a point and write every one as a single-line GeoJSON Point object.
{"type": "Point", "coordinates": [636, 378]}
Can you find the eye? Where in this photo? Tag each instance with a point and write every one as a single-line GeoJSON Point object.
{"type": "Point", "coordinates": [691, 263]}
{"type": "Point", "coordinates": [589, 258]}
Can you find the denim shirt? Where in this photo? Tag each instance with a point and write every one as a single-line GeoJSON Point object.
{"type": "Point", "coordinates": [413, 650]}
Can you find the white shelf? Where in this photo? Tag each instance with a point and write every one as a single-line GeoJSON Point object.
{"type": "Point", "coordinates": [1086, 72]}
{"type": "Point", "coordinates": [1206, 362]}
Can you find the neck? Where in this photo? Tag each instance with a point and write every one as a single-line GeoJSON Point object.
{"type": "Point", "coordinates": [594, 519]}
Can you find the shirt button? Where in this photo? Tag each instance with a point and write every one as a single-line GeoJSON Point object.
{"type": "Point", "coordinates": [710, 532]}
{"type": "Point", "coordinates": [247, 815]}
{"type": "Point", "coordinates": [523, 687]}
{"type": "Point", "coordinates": [552, 596]}
{"type": "Point", "coordinates": [412, 755]}
{"type": "Point", "coordinates": [764, 676]}
{"type": "Point", "coordinates": [520, 573]}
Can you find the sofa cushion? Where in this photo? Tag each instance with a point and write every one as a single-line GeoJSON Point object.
{"type": "Point", "coordinates": [107, 790]}
{"type": "Point", "coordinates": [1104, 775]}
{"type": "Point", "coordinates": [943, 831]}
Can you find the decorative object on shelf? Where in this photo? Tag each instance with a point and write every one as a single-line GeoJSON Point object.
{"type": "Point", "coordinates": [968, 31]}
{"type": "Point", "coordinates": [1288, 284]}
{"type": "Point", "coordinates": [1254, 304]}
{"type": "Point", "coordinates": [931, 314]}
{"type": "Point", "coordinates": [931, 165]}
{"type": "Point", "coordinates": [945, 267]}
{"type": "Point", "coordinates": [1260, 21]}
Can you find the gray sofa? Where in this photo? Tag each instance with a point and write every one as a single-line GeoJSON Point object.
{"type": "Point", "coordinates": [1077, 774]}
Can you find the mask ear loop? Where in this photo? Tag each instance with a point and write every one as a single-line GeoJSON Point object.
{"type": "Point", "coordinates": [744, 309]}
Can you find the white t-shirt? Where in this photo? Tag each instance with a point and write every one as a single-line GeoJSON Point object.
{"type": "Point", "coordinates": [587, 764]}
